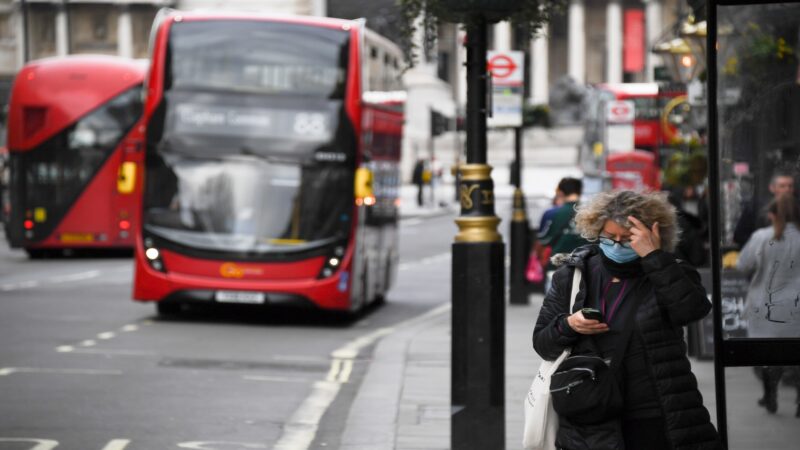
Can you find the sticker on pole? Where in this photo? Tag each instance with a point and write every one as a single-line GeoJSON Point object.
{"type": "Point", "coordinates": [507, 69]}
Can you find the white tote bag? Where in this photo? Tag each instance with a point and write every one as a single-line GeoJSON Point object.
{"type": "Point", "coordinates": [541, 420]}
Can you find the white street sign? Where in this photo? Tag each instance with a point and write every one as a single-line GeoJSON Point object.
{"type": "Point", "coordinates": [507, 70]}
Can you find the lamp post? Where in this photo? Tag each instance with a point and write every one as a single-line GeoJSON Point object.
{"type": "Point", "coordinates": [478, 328]}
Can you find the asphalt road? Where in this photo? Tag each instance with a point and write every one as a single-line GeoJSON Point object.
{"type": "Point", "coordinates": [84, 367]}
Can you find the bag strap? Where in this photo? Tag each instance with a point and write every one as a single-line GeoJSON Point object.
{"type": "Point", "coordinates": [627, 333]}
{"type": "Point", "coordinates": [576, 285]}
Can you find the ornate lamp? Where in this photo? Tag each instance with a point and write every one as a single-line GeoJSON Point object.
{"type": "Point", "coordinates": [677, 54]}
{"type": "Point", "coordinates": [694, 34]}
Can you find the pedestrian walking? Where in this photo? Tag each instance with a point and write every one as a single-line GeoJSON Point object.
{"type": "Point", "coordinates": [629, 339]}
{"type": "Point", "coordinates": [771, 307]}
{"type": "Point", "coordinates": [418, 178]}
{"type": "Point", "coordinates": [558, 233]}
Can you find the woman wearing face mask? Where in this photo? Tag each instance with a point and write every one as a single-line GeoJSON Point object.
{"type": "Point", "coordinates": [645, 296]}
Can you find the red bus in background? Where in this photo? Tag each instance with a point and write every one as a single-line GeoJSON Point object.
{"type": "Point", "coordinates": [272, 166]}
{"type": "Point", "coordinates": [75, 148]}
{"type": "Point", "coordinates": [649, 101]}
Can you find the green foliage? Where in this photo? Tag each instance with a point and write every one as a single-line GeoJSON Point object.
{"type": "Point", "coordinates": [536, 116]}
{"type": "Point", "coordinates": [530, 15]}
{"type": "Point", "coordinates": [686, 168]}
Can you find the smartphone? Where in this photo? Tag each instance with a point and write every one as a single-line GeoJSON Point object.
{"type": "Point", "coordinates": [592, 314]}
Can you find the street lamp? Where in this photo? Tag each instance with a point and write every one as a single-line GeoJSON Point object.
{"type": "Point", "coordinates": [694, 34]}
{"type": "Point", "coordinates": [678, 56]}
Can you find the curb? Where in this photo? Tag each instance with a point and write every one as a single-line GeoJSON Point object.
{"type": "Point", "coordinates": [372, 421]}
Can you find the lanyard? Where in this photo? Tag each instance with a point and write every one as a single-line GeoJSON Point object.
{"type": "Point", "coordinates": [615, 305]}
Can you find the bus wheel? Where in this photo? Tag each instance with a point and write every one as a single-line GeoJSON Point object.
{"type": "Point", "coordinates": [168, 308]}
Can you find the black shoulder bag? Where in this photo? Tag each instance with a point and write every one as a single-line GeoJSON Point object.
{"type": "Point", "coordinates": [585, 389]}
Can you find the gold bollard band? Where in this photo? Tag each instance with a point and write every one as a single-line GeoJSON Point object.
{"type": "Point", "coordinates": [478, 229]}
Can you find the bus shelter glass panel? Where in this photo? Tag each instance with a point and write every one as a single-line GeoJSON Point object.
{"type": "Point", "coordinates": [758, 98]}
{"type": "Point", "coordinates": [758, 101]}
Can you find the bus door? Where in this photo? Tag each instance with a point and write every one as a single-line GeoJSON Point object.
{"type": "Point", "coordinates": [754, 109]}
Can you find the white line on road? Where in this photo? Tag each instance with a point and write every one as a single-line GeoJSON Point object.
{"type": "Point", "coordinates": [88, 343]}
{"type": "Point", "coordinates": [20, 285]}
{"type": "Point", "coordinates": [5, 371]}
{"type": "Point", "coordinates": [65, 349]}
{"type": "Point", "coordinates": [301, 429]}
{"type": "Point", "coordinates": [41, 444]}
{"type": "Point", "coordinates": [117, 444]}
{"type": "Point", "coordinates": [58, 279]}
{"type": "Point", "coordinates": [113, 352]}
{"type": "Point", "coordinates": [129, 328]}
{"type": "Point", "coordinates": [75, 277]}
{"type": "Point", "coordinates": [105, 336]}
{"type": "Point", "coordinates": [275, 379]}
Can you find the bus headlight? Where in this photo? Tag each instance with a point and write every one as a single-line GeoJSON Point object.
{"type": "Point", "coordinates": [332, 262]}
{"type": "Point", "coordinates": [153, 256]}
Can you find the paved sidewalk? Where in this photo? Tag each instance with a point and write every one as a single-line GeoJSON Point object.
{"type": "Point", "coordinates": [404, 400]}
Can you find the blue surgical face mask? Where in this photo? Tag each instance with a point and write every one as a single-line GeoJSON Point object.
{"type": "Point", "coordinates": [618, 253]}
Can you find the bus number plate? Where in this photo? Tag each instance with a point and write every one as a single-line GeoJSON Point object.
{"type": "Point", "coordinates": [254, 298]}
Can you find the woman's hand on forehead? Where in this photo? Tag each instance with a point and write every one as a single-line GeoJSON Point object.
{"type": "Point", "coordinates": [644, 240]}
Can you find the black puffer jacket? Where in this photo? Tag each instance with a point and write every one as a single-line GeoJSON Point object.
{"type": "Point", "coordinates": [674, 298]}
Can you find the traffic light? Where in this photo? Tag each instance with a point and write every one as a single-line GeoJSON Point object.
{"type": "Point", "coordinates": [439, 123]}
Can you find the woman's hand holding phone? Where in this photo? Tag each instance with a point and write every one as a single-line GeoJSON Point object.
{"type": "Point", "coordinates": [584, 325]}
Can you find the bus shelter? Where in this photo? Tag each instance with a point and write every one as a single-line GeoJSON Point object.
{"type": "Point", "coordinates": [753, 68]}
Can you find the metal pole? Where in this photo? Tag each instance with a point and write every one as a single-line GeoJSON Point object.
{"type": "Point", "coordinates": [519, 231]}
{"type": "Point", "coordinates": [715, 201]}
{"type": "Point", "coordinates": [520, 246]}
{"type": "Point", "coordinates": [478, 328]}
{"type": "Point", "coordinates": [25, 41]}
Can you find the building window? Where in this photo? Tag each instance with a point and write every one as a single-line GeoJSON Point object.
{"type": "Point", "coordinates": [41, 31]}
{"type": "Point", "coordinates": [93, 29]}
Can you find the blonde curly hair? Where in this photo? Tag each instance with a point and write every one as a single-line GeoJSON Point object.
{"type": "Point", "coordinates": [648, 207]}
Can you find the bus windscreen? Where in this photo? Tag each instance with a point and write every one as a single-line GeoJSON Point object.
{"type": "Point", "coordinates": [251, 151]}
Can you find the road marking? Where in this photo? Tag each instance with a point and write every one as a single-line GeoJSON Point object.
{"type": "Point", "coordinates": [19, 285]}
{"type": "Point", "coordinates": [58, 279]}
{"type": "Point", "coordinates": [117, 444]}
{"type": "Point", "coordinates": [300, 358]}
{"type": "Point", "coordinates": [334, 371]}
{"type": "Point", "coordinates": [5, 371]}
{"type": "Point", "coordinates": [411, 222]}
{"type": "Point", "coordinates": [201, 445]}
{"type": "Point", "coordinates": [75, 277]}
{"type": "Point", "coordinates": [41, 444]}
{"type": "Point", "coordinates": [275, 379]}
{"type": "Point", "coordinates": [117, 352]}
{"type": "Point", "coordinates": [301, 429]}
{"type": "Point", "coordinates": [102, 336]}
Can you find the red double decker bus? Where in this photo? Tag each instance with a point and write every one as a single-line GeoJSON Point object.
{"type": "Point", "coordinates": [75, 148]}
{"type": "Point", "coordinates": [271, 163]}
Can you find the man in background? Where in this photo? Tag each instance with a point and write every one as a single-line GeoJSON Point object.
{"type": "Point", "coordinates": [753, 217]}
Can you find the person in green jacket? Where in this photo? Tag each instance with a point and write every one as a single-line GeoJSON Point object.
{"type": "Point", "coordinates": [559, 232]}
